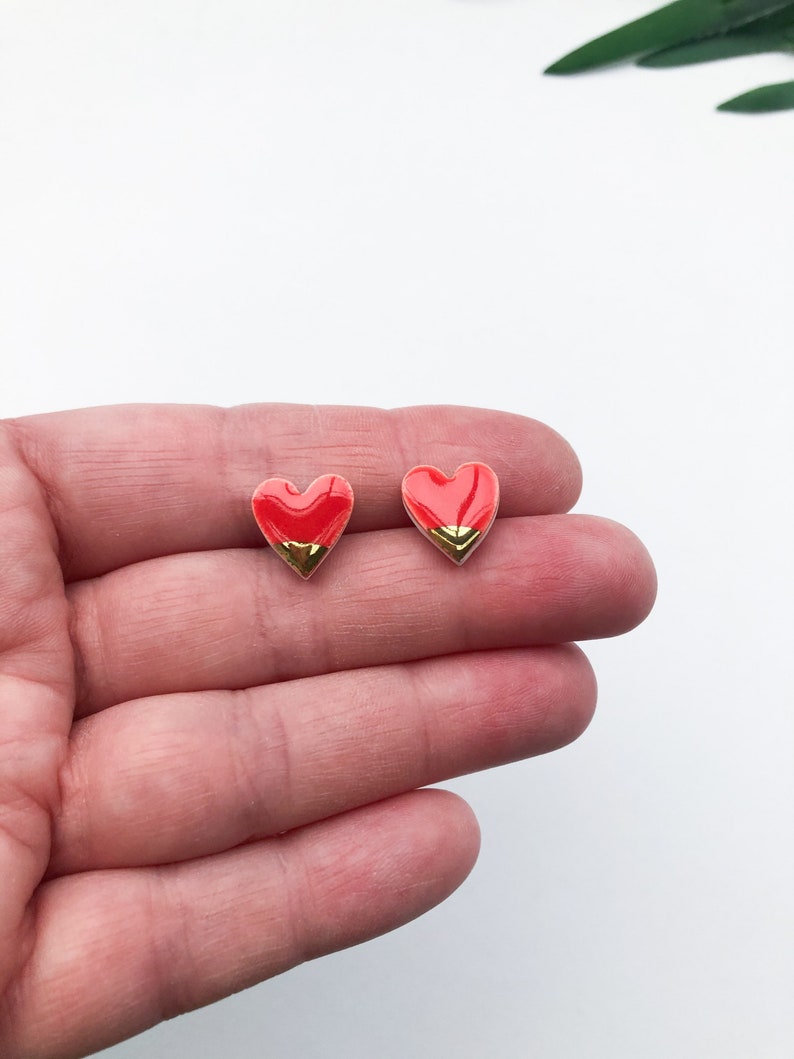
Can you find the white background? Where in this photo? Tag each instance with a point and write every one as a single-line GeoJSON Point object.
{"type": "Point", "coordinates": [384, 202]}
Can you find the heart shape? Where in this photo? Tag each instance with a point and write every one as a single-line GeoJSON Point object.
{"type": "Point", "coordinates": [303, 527]}
{"type": "Point", "coordinates": [454, 513]}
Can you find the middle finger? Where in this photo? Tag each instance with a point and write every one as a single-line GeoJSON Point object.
{"type": "Point", "coordinates": [240, 618]}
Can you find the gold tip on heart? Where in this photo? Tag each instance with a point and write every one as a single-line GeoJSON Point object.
{"type": "Point", "coordinates": [455, 541]}
{"type": "Point", "coordinates": [303, 558]}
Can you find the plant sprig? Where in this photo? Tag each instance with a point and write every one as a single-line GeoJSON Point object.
{"type": "Point", "coordinates": [695, 31]}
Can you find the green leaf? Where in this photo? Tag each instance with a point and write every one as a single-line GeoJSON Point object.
{"type": "Point", "coordinates": [772, 33]}
{"type": "Point", "coordinates": [762, 100]}
{"type": "Point", "coordinates": [681, 21]}
{"type": "Point", "coordinates": [728, 46]}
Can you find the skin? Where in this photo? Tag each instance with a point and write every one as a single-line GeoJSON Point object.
{"type": "Point", "coordinates": [211, 770]}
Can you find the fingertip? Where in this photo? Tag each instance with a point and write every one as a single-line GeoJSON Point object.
{"type": "Point", "coordinates": [572, 695]}
{"type": "Point", "coordinates": [440, 844]}
{"type": "Point", "coordinates": [458, 829]}
{"type": "Point", "coordinates": [570, 475]}
{"type": "Point", "coordinates": [413, 851]}
{"type": "Point", "coordinates": [638, 584]}
{"type": "Point", "coordinates": [622, 562]}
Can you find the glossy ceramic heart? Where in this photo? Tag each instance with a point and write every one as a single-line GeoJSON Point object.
{"type": "Point", "coordinates": [454, 513]}
{"type": "Point", "coordinates": [303, 527]}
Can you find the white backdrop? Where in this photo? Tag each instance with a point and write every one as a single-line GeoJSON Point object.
{"type": "Point", "coordinates": [383, 202]}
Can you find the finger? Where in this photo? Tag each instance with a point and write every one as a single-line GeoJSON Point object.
{"type": "Point", "coordinates": [120, 951]}
{"type": "Point", "coordinates": [218, 769]}
{"type": "Point", "coordinates": [131, 483]}
{"type": "Point", "coordinates": [239, 619]}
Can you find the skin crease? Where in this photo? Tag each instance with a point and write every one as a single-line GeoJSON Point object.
{"type": "Point", "coordinates": [211, 770]}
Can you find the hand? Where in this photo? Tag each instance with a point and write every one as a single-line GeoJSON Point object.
{"type": "Point", "coordinates": [209, 769]}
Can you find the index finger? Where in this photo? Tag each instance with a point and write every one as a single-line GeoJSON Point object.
{"type": "Point", "coordinates": [133, 482]}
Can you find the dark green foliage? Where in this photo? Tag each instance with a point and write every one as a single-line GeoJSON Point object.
{"type": "Point", "coordinates": [773, 33]}
{"type": "Point", "coordinates": [762, 100]}
{"type": "Point", "coordinates": [729, 46]}
{"type": "Point", "coordinates": [696, 31]}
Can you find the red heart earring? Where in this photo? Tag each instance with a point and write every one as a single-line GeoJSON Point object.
{"type": "Point", "coordinates": [454, 513]}
{"type": "Point", "coordinates": [303, 527]}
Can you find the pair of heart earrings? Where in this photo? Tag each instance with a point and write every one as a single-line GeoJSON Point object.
{"type": "Point", "coordinates": [454, 513]}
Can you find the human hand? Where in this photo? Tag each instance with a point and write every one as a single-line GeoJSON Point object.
{"type": "Point", "coordinates": [208, 767]}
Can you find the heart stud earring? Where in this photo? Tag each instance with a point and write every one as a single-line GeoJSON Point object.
{"type": "Point", "coordinates": [454, 513]}
{"type": "Point", "coordinates": [303, 527]}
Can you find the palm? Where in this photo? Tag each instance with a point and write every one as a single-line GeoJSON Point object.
{"type": "Point", "coordinates": [210, 770]}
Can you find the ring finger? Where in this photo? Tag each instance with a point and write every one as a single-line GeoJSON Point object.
{"type": "Point", "coordinates": [182, 776]}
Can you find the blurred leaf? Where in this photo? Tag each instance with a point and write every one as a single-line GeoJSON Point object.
{"type": "Point", "coordinates": [762, 100]}
{"type": "Point", "coordinates": [772, 33]}
{"type": "Point", "coordinates": [706, 51]}
{"type": "Point", "coordinates": [677, 23]}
